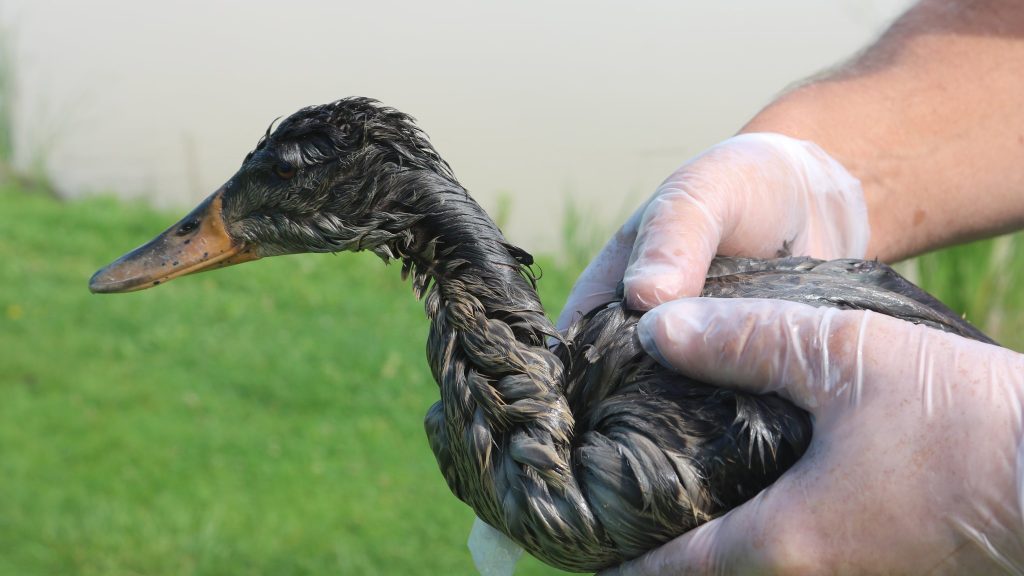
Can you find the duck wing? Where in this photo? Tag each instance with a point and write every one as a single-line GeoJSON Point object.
{"type": "Point", "coordinates": [848, 284]}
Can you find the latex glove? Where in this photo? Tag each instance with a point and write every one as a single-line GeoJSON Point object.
{"type": "Point", "coordinates": [494, 554]}
{"type": "Point", "coordinates": [755, 195]}
{"type": "Point", "coordinates": [916, 465]}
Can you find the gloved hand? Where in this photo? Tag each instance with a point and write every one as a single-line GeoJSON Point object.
{"type": "Point", "coordinates": [916, 465]}
{"type": "Point", "coordinates": [756, 195]}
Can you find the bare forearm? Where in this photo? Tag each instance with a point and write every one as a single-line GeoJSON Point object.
{"type": "Point", "coordinates": [931, 119]}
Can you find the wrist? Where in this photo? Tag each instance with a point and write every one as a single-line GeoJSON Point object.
{"type": "Point", "coordinates": [810, 113]}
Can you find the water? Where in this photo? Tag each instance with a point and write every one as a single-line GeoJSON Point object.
{"type": "Point", "coordinates": [541, 102]}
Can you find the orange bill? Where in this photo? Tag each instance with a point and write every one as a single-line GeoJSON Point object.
{"type": "Point", "coordinates": [198, 242]}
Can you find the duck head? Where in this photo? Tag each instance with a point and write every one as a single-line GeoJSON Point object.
{"type": "Point", "coordinates": [325, 180]}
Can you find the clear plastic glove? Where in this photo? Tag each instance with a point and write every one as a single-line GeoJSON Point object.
{"type": "Point", "coordinates": [755, 195]}
{"type": "Point", "coordinates": [916, 464]}
{"type": "Point", "coordinates": [494, 554]}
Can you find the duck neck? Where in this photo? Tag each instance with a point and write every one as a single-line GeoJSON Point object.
{"type": "Point", "coordinates": [479, 289]}
{"type": "Point", "coordinates": [501, 388]}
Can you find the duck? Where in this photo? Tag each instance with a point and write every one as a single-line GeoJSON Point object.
{"type": "Point", "coordinates": [586, 453]}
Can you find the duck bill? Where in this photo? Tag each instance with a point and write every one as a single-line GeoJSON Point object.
{"type": "Point", "coordinates": [197, 243]}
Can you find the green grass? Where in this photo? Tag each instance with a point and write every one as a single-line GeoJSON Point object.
{"type": "Point", "coordinates": [984, 281]}
{"type": "Point", "coordinates": [265, 419]}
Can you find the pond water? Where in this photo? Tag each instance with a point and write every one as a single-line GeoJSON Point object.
{"type": "Point", "coordinates": [542, 103]}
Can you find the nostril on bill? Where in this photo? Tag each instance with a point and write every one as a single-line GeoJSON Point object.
{"type": "Point", "coordinates": [187, 227]}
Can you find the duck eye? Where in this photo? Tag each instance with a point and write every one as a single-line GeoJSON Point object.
{"type": "Point", "coordinates": [284, 170]}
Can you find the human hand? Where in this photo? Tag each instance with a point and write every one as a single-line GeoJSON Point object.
{"type": "Point", "coordinates": [753, 195]}
{"type": "Point", "coordinates": [916, 464]}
